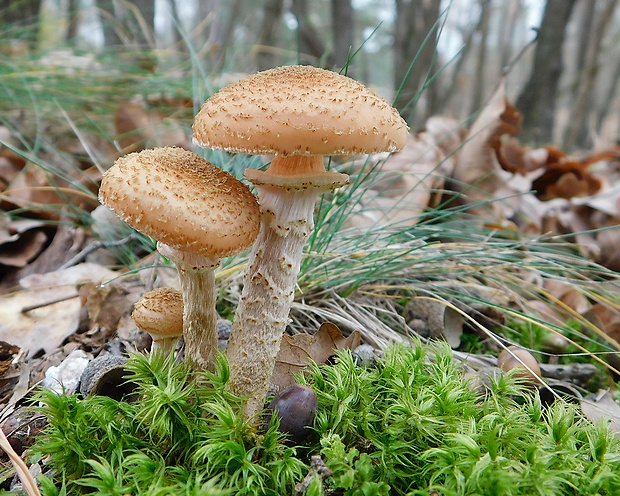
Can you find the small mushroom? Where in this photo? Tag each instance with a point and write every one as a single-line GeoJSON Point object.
{"type": "Point", "coordinates": [299, 114]}
{"type": "Point", "coordinates": [160, 313]}
{"type": "Point", "coordinates": [198, 213]}
{"type": "Point", "coordinates": [522, 361]}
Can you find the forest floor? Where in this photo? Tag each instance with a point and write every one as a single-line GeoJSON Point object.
{"type": "Point", "coordinates": [467, 235]}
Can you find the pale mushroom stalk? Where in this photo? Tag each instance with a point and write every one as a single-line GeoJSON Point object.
{"type": "Point", "coordinates": [164, 345]}
{"type": "Point", "coordinates": [269, 288]}
{"type": "Point", "coordinates": [197, 278]}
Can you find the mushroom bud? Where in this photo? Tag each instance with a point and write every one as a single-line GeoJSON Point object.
{"type": "Point", "coordinates": [296, 407]}
{"type": "Point", "coordinates": [160, 313]}
{"type": "Point", "coordinates": [526, 366]}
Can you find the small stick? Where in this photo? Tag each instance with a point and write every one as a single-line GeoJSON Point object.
{"type": "Point", "coordinates": [29, 308]}
{"type": "Point", "coordinates": [94, 246]}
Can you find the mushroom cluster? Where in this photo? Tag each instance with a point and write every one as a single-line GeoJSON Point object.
{"type": "Point", "coordinates": [198, 213]}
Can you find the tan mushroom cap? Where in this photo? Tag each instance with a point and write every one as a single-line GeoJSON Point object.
{"type": "Point", "coordinates": [299, 110]}
{"type": "Point", "coordinates": [183, 201]}
{"type": "Point", "coordinates": [160, 313]}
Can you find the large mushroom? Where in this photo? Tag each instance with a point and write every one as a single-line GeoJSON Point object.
{"type": "Point", "coordinates": [199, 214]}
{"type": "Point", "coordinates": [299, 114]}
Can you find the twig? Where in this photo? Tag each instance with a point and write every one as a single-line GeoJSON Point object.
{"type": "Point", "coordinates": [573, 372]}
{"type": "Point", "coordinates": [96, 245]}
{"type": "Point", "coordinates": [29, 308]}
{"type": "Point", "coordinates": [524, 49]}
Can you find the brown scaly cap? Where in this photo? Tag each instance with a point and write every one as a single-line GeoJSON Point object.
{"type": "Point", "coordinates": [160, 313]}
{"type": "Point", "coordinates": [183, 201]}
{"type": "Point", "coordinates": [299, 110]}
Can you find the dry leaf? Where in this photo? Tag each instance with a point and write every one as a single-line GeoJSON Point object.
{"type": "Point", "coordinates": [567, 294]}
{"type": "Point", "coordinates": [408, 183]}
{"type": "Point", "coordinates": [447, 133]}
{"type": "Point", "coordinates": [609, 244]}
{"type": "Point", "coordinates": [47, 310]}
{"type": "Point", "coordinates": [477, 164]}
{"type": "Point", "coordinates": [49, 322]}
{"type": "Point", "coordinates": [602, 408]}
{"type": "Point", "coordinates": [605, 318]}
{"type": "Point", "coordinates": [134, 126]}
{"type": "Point", "coordinates": [10, 369]}
{"type": "Point", "coordinates": [298, 351]}
{"type": "Point", "coordinates": [106, 306]}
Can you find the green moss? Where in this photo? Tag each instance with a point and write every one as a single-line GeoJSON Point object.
{"type": "Point", "coordinates": [409, 425]}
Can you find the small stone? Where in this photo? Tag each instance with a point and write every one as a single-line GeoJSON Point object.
{"type": "Point", "coordinates": [364, 355]}
{"type": "Point", "coordinates": [66, 376]}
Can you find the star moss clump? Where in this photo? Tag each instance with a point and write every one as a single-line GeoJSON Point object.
{"type": "Point", "coordinates": [410, 425]}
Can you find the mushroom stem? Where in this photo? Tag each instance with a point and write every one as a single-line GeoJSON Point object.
{"type": "Point", "coordinates": [164, 345]}
{"type": "Point", "coordinates": [268, 291]}
{"type": "Point", "coordinates": [197, 277]}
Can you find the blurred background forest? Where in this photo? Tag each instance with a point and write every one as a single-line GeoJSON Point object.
{"type": "Point", "coordinates": [432, 57]}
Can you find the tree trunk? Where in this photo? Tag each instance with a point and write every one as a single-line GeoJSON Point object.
{"type": "Point", "coordinates": [73, 20]}
{"type": "Point", "coordinates": [226, 34]}
{"type": "Point", "coordinates": [107, 15]}
{"type": "Point", "coordinates": [613, 91]}
{"type": "Point", "coordinates": [511, 12]}
{"type": "Point", "coordinates": [269, 34]}
{"type": "Point", "coordinates": [177, 39]}
{"type": "Point", "coordinates": [130, 23]}
{"type": "Point", "coordinates": [450, 90]}
{"type": "Point", "coordinates": [311, 49]}
{"type": "Point", "coordinates": [342, 32]}
{"type": "Point", "coordinates": [415, 39]}
{"type": "Point", "coordinates": [143, 30]}
{"type": "Point", "coordinates": [537, 101]}
{"type": "Point", "coordinates": [479, 95]}
{"type": "Point", "coordinates": [23, 16]}
{"type": "Point", "coordinates": [577, 132]}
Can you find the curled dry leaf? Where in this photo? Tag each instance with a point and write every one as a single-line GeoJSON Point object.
{"type": "Point", "coordinates": [298, 351]}
{"type": "Point", "coordinates": [442, 320]}
{"type": "Point", "coordinates": [602, 407]}
{"type": "Point", "coordinates": [477, 170]}
{"type": "Point", "coordinates": [20, 240]}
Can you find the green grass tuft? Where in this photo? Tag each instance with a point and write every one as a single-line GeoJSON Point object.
{"type": "Point", "coordinates": [409, 425]}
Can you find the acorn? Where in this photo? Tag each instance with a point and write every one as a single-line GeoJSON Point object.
{"type": "Point", "coordinates": [509, 358]}
{"type": "Point", "coordinates": [296, 407]}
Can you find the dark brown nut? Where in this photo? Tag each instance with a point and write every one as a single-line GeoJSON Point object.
{"type": "Point", "coordinates": [296, 407]}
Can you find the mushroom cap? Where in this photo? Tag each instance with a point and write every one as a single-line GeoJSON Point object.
{"type": "Point", "coordinates": [160, 313]}
{"type": "Point", "coordinates": [183, 201]}
{"type": "Point", "coordinates": [299, 110]}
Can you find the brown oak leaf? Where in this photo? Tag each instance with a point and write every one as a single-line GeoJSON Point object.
{"type": "Point", "coordinates": [298, 351]}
